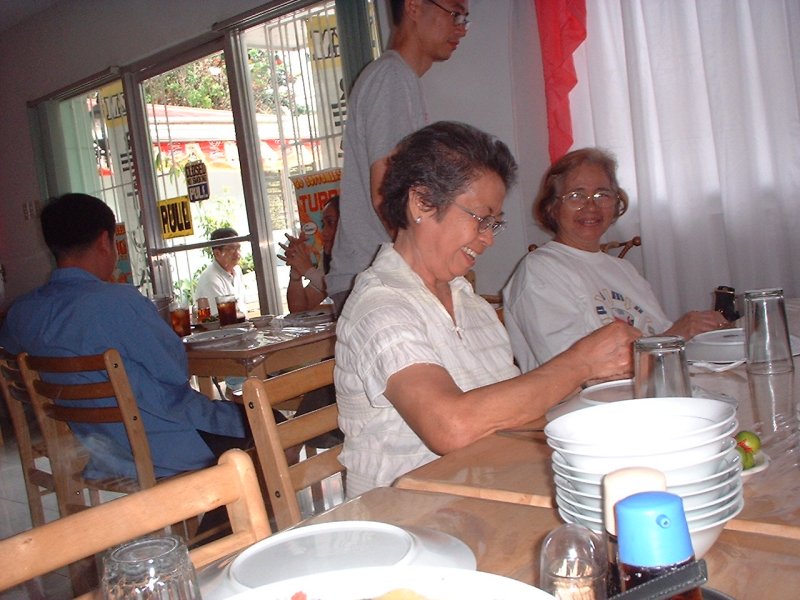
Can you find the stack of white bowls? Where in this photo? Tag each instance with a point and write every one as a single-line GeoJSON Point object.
{"type": "Point", "coordinates": [691, 440]}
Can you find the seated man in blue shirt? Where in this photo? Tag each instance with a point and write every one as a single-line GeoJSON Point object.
{"type": "Point", "coordinates": [77, 312]}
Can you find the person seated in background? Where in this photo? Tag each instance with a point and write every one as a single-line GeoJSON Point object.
{"type": "Point", "coordinates": [223, 276]}
{"type": "Point", "coordinates": [423, 364]}
{"type": "Point", "coordinates": [568, 287]}
{"type": "Point", "coordinates": [301, 297]}
{"type": "Point", "coordinates": [77, 312]}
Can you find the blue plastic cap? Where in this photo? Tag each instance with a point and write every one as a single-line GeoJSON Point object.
{"type": "Point", "coordinates": [652, 530]}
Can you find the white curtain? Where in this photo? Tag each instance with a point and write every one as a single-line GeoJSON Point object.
{"type": "Point", "coordinates": [700, 102]}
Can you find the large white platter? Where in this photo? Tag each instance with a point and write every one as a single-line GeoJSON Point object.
{"type": "Point", "coordinates": [724, 346]}
{"type": "Point", "coordinates": [220, 338]}
{"type": "Point", "coordinates": [326, 547]}
{"type": "Point", "coordinates": [614, 391]}
{"type": "Point", "coordinates": [430, 583]}
{"type": "Point", "coordinates": [308, 318]}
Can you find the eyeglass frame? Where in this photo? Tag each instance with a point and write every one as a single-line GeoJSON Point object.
{"type": "Point", "coordinates": [585, 198]}
{"type": "Point", "coordinates": [487, 223]}
{"type": "Point", "coordinates": [459, 19]}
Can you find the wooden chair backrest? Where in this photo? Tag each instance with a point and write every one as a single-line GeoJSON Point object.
{"type": "Point", "coordinates": [271, 439]}
{"type": "Point", "coordinates": [37, 481]}
{"type": "Point", "coordinates": [232, 483]}
{"type": "Point", "coordinates": [623, 247]}
{"type": "Point", "coordinates": [54, 418]}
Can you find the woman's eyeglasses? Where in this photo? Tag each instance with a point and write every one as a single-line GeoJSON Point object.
{"type": "Point", "coordinates": [489, 222]}
{"type": "Point", "coordinates": [579, 200]}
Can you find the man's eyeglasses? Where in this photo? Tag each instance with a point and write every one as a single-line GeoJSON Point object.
{"type": "Point", "coordinates": [459, 19]}
{"type": "Point", "coordinates": [485, 223]}
{"type": "Point", "coordinates": [579, 200]}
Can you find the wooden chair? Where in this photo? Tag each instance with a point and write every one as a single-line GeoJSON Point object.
{"type": "Point", "coordinates": [38, 482]}
{"type": "Point", "coordinates": [232, 483]}
{"type": "Point", "coordinates": [67, 465]}
{"type": "Point", "coordinates": [272, 440]}
{"type": "Point", "coordinates": [623, 246]}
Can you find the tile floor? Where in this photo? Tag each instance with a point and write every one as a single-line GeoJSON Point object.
{"type": "Point", "coordinates": [14, 518]}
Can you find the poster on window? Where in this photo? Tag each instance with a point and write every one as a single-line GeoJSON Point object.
{"type": "Point", "coordinates": [326, 66]}
{"type": "Point", "coordinates": [176, 217]}
{"type": "Point", "coordinates": [123, 273]}
{"type": "Point", "coordinates": [313, 191]}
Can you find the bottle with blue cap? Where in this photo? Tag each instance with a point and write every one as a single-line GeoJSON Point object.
{"type": "Point", "coordinates": [653, 539]}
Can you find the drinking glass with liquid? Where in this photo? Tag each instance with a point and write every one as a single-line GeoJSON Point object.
{"type": "Point", "coordinates": [180, 317]}
{"type": "Point", "coordinates": [226, 307]}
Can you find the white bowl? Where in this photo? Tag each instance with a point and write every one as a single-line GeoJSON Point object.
{"type": "Point", "coordinates": [703, 532]}
{"type": "Point", "coordinates": [720, 345]}
{"type": "Point", "coordinates": [725, 494]}
{"type": "Point", "coordinates": [327, 547]}
{"type": "Point", "coordinates": [662, 456]}
{"type": "Point", "coordinates": [722, 511]}
{"type": "Point", "coordinates": [683, 466]}
{"type": "Point", "coordinates": [701, 498]}
{"type": "Point", "coordinates": [720, 489]}
{"type": "Point", "coordinates": [629, 426]}
{"type": "Point", "coordinates": [704, 536]}
{"type": "Point", "coordinates": [730, 466]}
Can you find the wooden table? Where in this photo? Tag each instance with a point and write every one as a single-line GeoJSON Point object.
{"type": "Point", "coordinates": [273, 350]}
{"type": "Point", "coordinates": [506, 539]}
{"type": "Point", "coordinates": [758, 550]}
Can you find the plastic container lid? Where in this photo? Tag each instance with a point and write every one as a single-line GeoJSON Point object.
{"type": "Point", "coordinates": [625, 482]}
{"type": "Point", "coordinates": [652, 530]}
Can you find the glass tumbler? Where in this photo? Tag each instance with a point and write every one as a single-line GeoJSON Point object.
{"type": "Point", "coordinates": [659, 367]}
{"type": "Point", "coordinates": [180, 317]}
{"type": "Point", "coordinates": [156, 568]}
{"type": "Point", "coordinates": [226, 307]}
{"type": "Point", "coordinates": [766, 333]}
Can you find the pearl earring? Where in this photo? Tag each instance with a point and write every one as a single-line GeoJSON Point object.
{"type": "Point", "coordinates": [418, 220]}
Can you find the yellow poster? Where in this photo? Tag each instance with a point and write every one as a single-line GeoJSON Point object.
{"type": "Point", "coordinates": [176, 217]}
{"type": "Point", "coordinates": [112, 103]}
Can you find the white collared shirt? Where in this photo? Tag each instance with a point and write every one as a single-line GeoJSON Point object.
{"type": "Point", "coordinates": [392, 321]}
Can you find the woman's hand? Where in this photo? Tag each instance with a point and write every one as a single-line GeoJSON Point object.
{"type": "Point", "coordinates": [696, 322]}
{"type": "Point", "coordinates": [297, 254]}
{"type": "Point", "coordinates": [607, 352]}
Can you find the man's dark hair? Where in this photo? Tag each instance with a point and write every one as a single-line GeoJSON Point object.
{"type": "Point", "coordinates": [72, 222]}
{"type": "Point", "coordinates": [221, 234]}
{"type": "Point", "coordinates": [224, 232]}
{"type": "Point", "coordinates": [398, 9]}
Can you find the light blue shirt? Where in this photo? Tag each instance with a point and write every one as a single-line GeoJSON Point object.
{"type": "Point", "coordinates": [77, 314]}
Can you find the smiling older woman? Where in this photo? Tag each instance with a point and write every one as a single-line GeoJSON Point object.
{"type": "Point", "coordinates": [568, 287]}
{"type": "Point", "coordinates": [423, 365]}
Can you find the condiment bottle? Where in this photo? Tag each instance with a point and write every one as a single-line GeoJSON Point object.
{"type": "Point", "coordinates": [573, 564]}
{"type": "Point", "coordinates": [653, 539]}
{"type": "Point", "coordinates": [725, 302]}
{"type": "Point", "coordinates": [617, 485]}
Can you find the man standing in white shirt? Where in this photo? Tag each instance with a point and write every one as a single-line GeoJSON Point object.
{"type": "Point", "coordinates": [223, 276]}
{"type": "Point", "coordinates": [386, 105]}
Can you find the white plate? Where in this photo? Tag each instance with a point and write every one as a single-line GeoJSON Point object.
{"type": "Point", "coordinates": [324, 547]}
{"type": "Point", "coordinates": [613, 391]}
{"type": "Point", "coordinates": [308, 317]}
{"type": "Point", "coordinates": [761, 463]}
{"type": "Point", "coordinates": [432, 583]}
{"type": "Point", "coordinates": [220, 337]}
{"type": "Point", "coordinates": [724, 346]}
